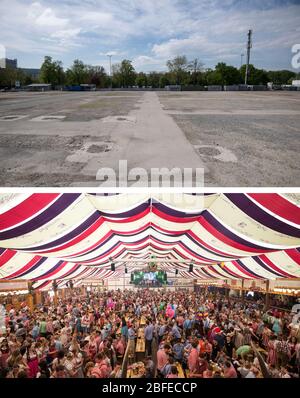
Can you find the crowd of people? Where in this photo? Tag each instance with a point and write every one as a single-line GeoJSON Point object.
{"type": "Point", "coordinates": [204, 336]}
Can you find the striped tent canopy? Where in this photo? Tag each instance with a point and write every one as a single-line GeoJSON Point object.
{"type": "Point", "coordinates": [63, 236]}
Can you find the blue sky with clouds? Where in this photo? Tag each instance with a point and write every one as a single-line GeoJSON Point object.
{"type": "Point", "coordinates": [149, 32]}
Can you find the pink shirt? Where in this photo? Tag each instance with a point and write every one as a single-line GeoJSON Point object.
{"type": "Point", "coordinates": [162, 359]}
{"type": "Point", "coordinates": [98, 341]}
{"type": "Point", "coordinates": [120, 347]}
{"type": "Point", "coordinates": [230, 373]}
{"type": "Point", "coordinates": [193, 360]}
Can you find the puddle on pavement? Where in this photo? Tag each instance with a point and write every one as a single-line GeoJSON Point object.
{"type": "Point", "coordinates": [98, 148]}
{"type": "Point", "coordinates": [123, 119]}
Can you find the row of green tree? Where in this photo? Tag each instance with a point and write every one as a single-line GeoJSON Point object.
{"type": "Point", "coordinates": [181, 71]}
{"type": "Point", "coordinates": [9, 76]}
{"type": "Point", "coordinates": [52, 72]}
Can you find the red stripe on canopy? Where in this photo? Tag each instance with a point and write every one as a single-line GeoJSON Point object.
{"type": "Point", "coordinates": [278, 205]}
{"type": "Point", "coordinates": [28, 208]}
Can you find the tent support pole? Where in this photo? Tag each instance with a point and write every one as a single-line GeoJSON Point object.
{"type": "Point", "coordinates": [267, 299]}
{"type": "Point", "coordinates": [242, 291]}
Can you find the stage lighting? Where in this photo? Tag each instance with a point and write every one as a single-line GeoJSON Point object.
{"type": "Point", "coordinates": [112, 267]}
{"type": "Point", "coordinates": [176, 272]}
{"type": "Point", "coordinates": [126, 270]}
{"type": "Point", "coordinates": [191, 267]}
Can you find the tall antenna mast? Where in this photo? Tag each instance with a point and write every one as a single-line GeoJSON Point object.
{"type": "Point", "coordinates": [249, 46]}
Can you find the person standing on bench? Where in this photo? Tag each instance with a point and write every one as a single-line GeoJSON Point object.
{"type": "Point", "coordinates": [149, 337]}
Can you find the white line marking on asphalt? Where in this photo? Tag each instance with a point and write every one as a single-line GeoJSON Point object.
{"type": "Point", "coordinates": [48, 118]}
{"type": "Point", "coordinates": [12, 118]}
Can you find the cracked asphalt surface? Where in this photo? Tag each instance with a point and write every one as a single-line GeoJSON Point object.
{"type": "Point", "coordinates": [239, 139]}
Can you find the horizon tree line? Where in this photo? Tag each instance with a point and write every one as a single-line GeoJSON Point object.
{"type": "Point", "coordinates": [181, 71]}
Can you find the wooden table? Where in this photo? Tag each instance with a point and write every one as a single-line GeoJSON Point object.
{"type": "Point", "coordinates": [131, 375]}
{"type": "Point", "coordinates": [140, 344]}
{"type": "Point", "coordinates": [181, 374]}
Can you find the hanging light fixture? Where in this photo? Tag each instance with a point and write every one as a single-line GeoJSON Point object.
{"type": "Point", "coordinates": [112, 264]}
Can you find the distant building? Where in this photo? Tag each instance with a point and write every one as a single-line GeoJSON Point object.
{"type": "Point", "coordinates": [13, 64]}
{"type": "Point", "coordinates": [9, 63]}
{"type": "Point", "coordinates": [31, 72]}
{"type": "Point", "coordinates": [296, 83]}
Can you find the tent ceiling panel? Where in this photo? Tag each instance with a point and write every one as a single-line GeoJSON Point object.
{"type": "Point", "coordinates": [73, 236]}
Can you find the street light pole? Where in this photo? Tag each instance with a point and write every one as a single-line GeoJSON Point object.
{"type": "Point", "coordinates": [249, 46]}
{"type": "Point", "coordinates": [242, 56]}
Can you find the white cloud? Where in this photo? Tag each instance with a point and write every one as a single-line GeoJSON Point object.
{"type": "Point", "coordinates": [112, 53]}
{"type": "Point", "coordinates": [144, 62]}
{"type": "Point", "coordinates": [178, 46]}
{"type": "Point", "coordinates": [147, 31]}
{"type": "Point", "coordinates": [66, 34]}
{"type": "Point", "coordinates": [274, 29]}
{"type": "Point", "coordinates": [46, 17]}
{"type": "Point", "coordinates": [99, 18]}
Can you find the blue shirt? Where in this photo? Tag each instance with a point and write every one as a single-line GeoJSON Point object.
{"type": "Point", "coordinates": [131, 334]}
{"type": "Point", "coordinates": [187, 324]}
{"type": "Point", "coordinates": [58, 345]}
{"type": "Point", "coordinates": [35, 331]}
{"type": "Point", "coordinates": [175, 332]}
{"type": "Point", "coordinates": [162, 330]}
{"type": "Point", "coordinates": [138, 311]}
{"type": "Point", "coordinates": [149, 332]}
{"type": "Point", "coordinates": [167, 369]}
{"type": "Point", "coordinates": [124, 330]}
{"type": "Point", "coordinates": [178, 351]}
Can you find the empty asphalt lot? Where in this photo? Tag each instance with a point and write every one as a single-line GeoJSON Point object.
{"type": "Point", "coordinates": [63, 139]}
